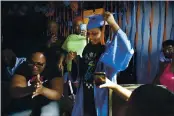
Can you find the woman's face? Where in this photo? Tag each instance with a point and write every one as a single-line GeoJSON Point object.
{"type": "Point", "coordinates": [94, 35]}
{"type": "Point", "coordinates": [168, 51]}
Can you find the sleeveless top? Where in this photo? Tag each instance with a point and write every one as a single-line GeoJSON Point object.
{"type": "Point", "coordinates": [167, 78]}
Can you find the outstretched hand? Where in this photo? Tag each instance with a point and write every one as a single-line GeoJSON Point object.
{"type": "Point", "coordinates": [109, 84]}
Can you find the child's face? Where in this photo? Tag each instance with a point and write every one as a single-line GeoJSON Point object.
{"type": "Point", "coordinates": [94, 35]}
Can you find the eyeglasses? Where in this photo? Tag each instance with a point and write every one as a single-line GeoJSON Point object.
{"type": "Point", "coordinates": [37, 64]}
{"type": "Point", "coordinates": [92, 33]}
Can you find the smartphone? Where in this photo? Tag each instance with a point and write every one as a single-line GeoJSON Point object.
{"type": "Point", "coordinates": [83, 27]}
{"type": "Point", "coordinates": [99, 78]}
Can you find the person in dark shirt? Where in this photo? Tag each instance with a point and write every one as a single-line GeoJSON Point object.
{"type": "Point", "coordinates": [35, 88]}
{"type": "Point", "coordinates": [53, 46]}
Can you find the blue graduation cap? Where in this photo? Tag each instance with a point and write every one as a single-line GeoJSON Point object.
{"type": "Point", "coordinates": [95, 21]}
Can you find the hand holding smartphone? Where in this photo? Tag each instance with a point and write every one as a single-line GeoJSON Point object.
{"type": "Point", "coordinates": [99, 78]}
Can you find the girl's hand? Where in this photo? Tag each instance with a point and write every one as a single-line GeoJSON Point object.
{"type": "Point", "coordinates": [109, 18]}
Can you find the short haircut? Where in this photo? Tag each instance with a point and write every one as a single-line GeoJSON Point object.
{"type": "Point", "coordinates": [167, 43]}
{"type": "Point", "coordinates": [52, 22]}
{"type": "Point", "coordinates": [76, 19]}
{"type": "Point", "coordinates": [38, 49]}
{"type": "Point", "coordinates": [148, 99]}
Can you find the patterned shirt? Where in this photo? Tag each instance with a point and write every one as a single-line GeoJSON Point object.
{"type": "Point", "coordinates": [11, 71]}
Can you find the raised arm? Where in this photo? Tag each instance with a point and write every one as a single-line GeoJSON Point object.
{"type": "Point", "coordinates": [121, 36]}
{"type": "Point", "coordinates": [120, 48]}
{"type": "Point", "coordinates": [111, 21]}
{"type": "Point", "coordinates": [19, 87]}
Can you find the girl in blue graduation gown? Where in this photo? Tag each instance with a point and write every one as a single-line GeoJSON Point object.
{"type": "Point", "coordinates": [110, 58]}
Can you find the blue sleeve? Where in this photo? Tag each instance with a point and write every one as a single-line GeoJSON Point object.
{"type": "Point", "coordinates": [124, 51]}
{"type": "Point", "coordinates": [118, 52]}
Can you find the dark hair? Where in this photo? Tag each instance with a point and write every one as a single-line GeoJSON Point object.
{"type": "Point", "coordinates": [50, 22]}
{"type": "Point", "coordinates": [8, 53]}
{"type": "Point", "coordinates": [152, 100]}
{"type": "Point", "coordinates": [167, 43]}
{"type": "Point", "coordinates": [8, 57]}
{"type": "Point", "coordinates": [76, 19]}
{"type": "Point", "coordinates": [38, 49]}
{"type": "Point", "coordinates": [96, 27]}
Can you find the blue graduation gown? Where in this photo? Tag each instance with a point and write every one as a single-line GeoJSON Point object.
{"type": "Point", "coordinates": [120, 58]}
